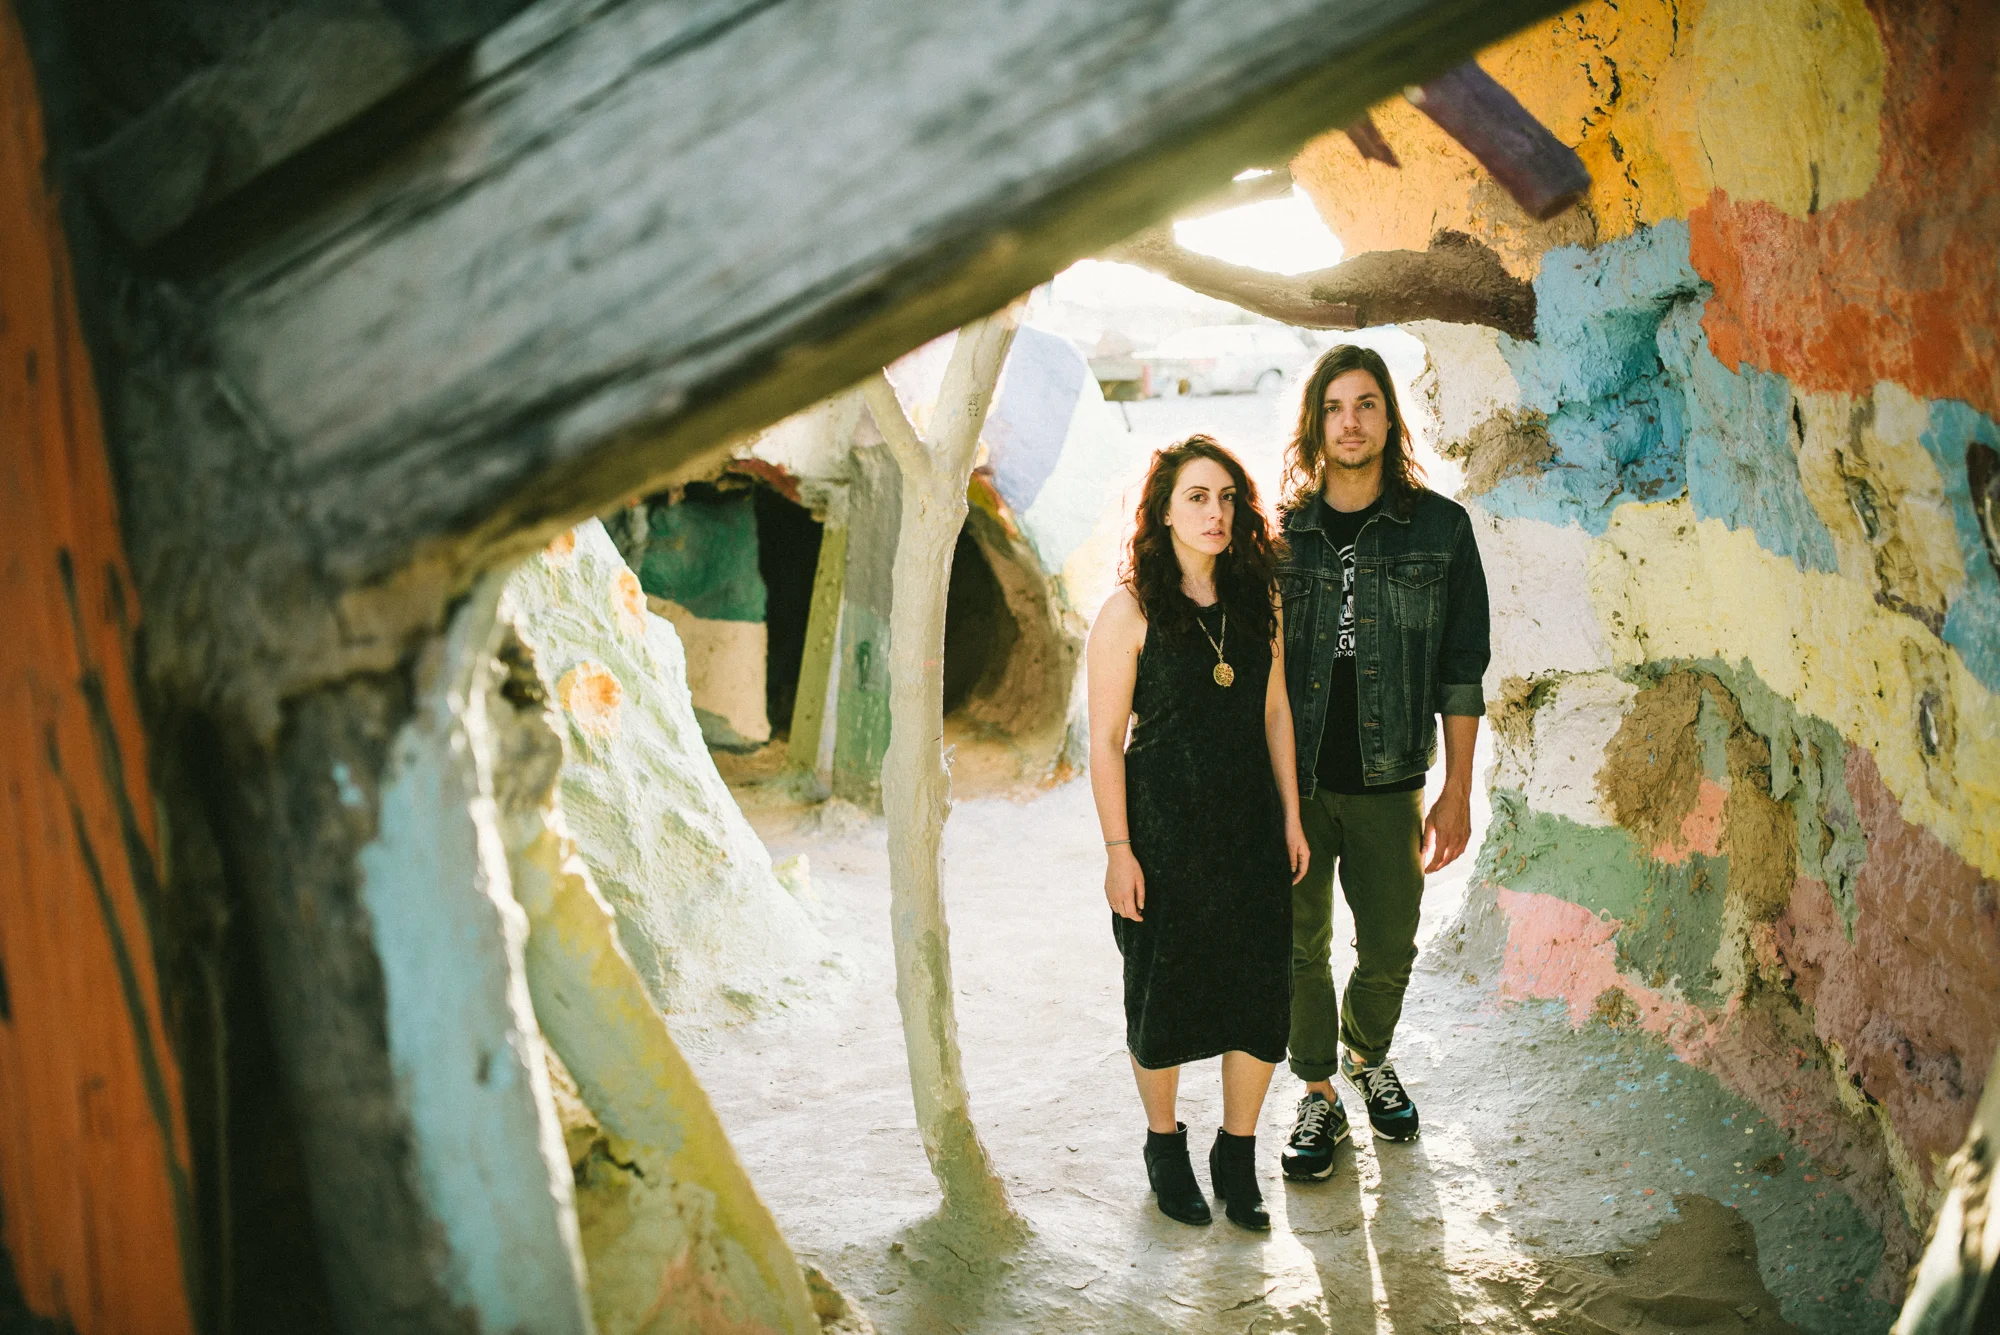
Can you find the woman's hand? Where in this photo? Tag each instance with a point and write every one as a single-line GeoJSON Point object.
{"type": "Point", "coordinates": [1124, 883]}
{"type": "Point", "coordinates": [1296, 845]}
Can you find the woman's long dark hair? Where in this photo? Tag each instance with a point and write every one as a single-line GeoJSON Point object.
{"type": "Point", "coordinates": [1243, 573]}
{"type": "Point", "coordinates": [1402, 475]}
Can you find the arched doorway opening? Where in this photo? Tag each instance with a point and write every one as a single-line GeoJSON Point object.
{"type": "Point", "coordinates": [788, 541]}
{"type": "Point", "coordinates": [1010, 658]}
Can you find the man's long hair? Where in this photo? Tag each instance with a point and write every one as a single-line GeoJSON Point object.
{"type": "Point", "coordinates": [1305, 463]}
{"type": "Point", "coordinates": [1244, 574]}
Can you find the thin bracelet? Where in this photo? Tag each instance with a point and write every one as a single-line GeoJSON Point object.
{"type": "Point", "coordinates": [1113, 843]}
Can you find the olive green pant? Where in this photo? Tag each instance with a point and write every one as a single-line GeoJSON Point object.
{"type": "Point", "coordinates": [1375, 838]}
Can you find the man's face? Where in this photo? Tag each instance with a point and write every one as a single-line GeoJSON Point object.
{"type": "Point", "coordinates": [1355, 419]}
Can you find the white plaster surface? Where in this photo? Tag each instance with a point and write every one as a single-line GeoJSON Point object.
{"type": "Point", "coordinates": [463, 1039]}
{"type": "Point", "coordinates": [1467, 379]}
{"type": "Point", "coordinates": [1572, 730]}
{"type": "Point", "coordinates": [699, 910]}
{"type": "Point", "coordinates": [1544, 621]}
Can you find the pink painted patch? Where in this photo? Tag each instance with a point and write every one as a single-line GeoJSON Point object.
{"type": "Point", "coordinates": [1701, 828]}
{"type": "Point", "coordinates": [1563, 952]}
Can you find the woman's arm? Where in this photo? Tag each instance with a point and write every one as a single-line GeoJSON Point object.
{"type": "Point", "coordinates": [1284, 753]}
{"type": "Point", "coordinates": [1111, 658]}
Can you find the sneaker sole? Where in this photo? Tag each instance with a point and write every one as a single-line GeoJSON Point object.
{"type": "Point", "coordinates": [1324, 1173]}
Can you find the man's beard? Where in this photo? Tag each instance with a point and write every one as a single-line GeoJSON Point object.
{"type": "Point", "coordinates": [1359, 465]}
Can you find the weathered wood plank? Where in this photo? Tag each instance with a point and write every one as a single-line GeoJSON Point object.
{"type": "Point", "coordinates": [310, 70]}
{"type": "Point", "coordinates": [641, 233]}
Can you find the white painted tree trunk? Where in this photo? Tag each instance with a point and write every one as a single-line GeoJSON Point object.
{"type": "Point", "coordinates": [915, 785]}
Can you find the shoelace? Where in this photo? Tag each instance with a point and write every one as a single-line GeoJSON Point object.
{"type": "Point", "coordinates": [1312, 1117]}
{"type": "Point", "coordinates": [1383, 1087]}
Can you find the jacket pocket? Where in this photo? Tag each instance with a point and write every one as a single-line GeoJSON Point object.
{"type": "Point", "coordinates": [1416, 592]}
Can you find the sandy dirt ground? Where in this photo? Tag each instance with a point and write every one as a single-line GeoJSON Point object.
{"type": "Point", "coordinates": [1550, 1163]}
{"type": "Point", "coordinates": [1576, 1181]}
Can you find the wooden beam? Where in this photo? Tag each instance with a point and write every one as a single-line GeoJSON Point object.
{"type": "Point", "coordinates": [641, 233]}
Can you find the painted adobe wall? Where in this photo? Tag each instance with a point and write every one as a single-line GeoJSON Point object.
{"type": "Point", "coordinates": [699, 571]}
{"type": "Point", "coordinates": [1738, 504]}
{"type": "Point", "coordinates": [98, 1202]}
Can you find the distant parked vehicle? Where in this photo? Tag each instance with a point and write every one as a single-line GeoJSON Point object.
{"type": "Point", "coordinates": [1122, 376]}
{"type": "Point", "coordinates": [1222, 359]}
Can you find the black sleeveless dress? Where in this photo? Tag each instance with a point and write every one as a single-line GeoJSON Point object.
{"type": "Point", "coordinates": [1208, 970]}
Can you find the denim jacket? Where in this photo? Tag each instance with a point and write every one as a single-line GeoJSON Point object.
{"type": "Point", "coordinates": [1420, 628]}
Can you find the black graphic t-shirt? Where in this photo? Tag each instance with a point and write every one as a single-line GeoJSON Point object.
{"type": "Point", "coordinates": [1339, 766]}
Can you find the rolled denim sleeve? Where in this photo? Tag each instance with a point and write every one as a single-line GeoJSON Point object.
{"type": "Point", "coordinates": [1467, 630]}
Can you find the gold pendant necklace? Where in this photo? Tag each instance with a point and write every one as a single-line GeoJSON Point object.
{"type": "Point", "coordinates": [1223, 674]}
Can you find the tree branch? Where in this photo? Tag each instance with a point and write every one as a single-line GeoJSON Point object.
{"type": "Point", "coordinates": [894, 424]}
{"type": "Point", "coordinates": [967, 390]}
{"type": "Point", "coordinates": [1458, 280]}
{"type": "Point", "coordinates": [1275, 183]}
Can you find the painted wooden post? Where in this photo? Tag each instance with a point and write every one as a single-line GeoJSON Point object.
{"type": "Point", "coordinates": [1541, 172]}
{"type": "Point", "coordinates": [95, 1177]}
{"type": "Point", "coordinates": [809, 713]}
{"type": "Point", "coordinates": [861, 735]}
{"type": "Point", "coordinates": [916, 787]}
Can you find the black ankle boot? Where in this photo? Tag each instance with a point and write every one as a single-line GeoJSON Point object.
{"type": "Point", "coordinates": [1232, 1170]}
{"type": "Point", "coordinates": [1172, 1176]}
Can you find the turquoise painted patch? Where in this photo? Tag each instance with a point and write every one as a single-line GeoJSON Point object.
{"type": "Point", "coordinates": [1743, 447]}
{"type": "Point", "coordinates": [1616, 420]}
{"type": "Point", "coordinates": [1972, 625]}
{"type": "Point", "coordinates": [1639, 409]}
{"type": "Point", "coordinates": [702, 554]}
{"type": "Point", "coordinates": [1598, 313]}
{"type": "Point", "coordinates": [1669, 916]}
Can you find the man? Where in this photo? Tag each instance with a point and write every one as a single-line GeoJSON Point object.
{"type": "Point", "coordinates": [1385, 627]}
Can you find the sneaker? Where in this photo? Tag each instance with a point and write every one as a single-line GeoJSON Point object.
{"type": "Point", "coordinates": [1390, 1111]}
{"type": "Point", "coordinates": [1321, 1126]}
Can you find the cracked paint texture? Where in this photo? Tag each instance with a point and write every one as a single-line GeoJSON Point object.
{"type": "Point", "coordinates": [1737, 504]}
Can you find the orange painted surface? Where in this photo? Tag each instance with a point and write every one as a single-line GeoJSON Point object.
{"type": "Point", "coordinates": [93, 1139]}
{"type": "Point", "coordinates": [1901, 283]}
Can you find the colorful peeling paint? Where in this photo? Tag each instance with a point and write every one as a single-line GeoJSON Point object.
{"type": "Point", "coordinates": [98, 1226]}
{"type": "Point", "coordinates": [1738, 506]}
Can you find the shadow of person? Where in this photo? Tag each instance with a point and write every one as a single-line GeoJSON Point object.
{"type": "Point", "coordinates": [1407, 1237]}
{"type": "Point", "coordinates": [1376, 1231]}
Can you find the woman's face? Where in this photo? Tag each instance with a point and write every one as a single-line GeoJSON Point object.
{"type": "Point", "coordinates": [1202, 512]}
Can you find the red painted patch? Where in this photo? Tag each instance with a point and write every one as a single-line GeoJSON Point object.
{"type": "Point", "coordinates": [1911, 999]}
{"type": "Point", "coordinates": [1901, 283]}
{"type": "Point", "coordinates": [779, 479]}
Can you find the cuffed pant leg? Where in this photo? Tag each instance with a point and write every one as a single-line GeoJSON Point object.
{"type": "Point", "coordinates": [1315, 1033]}
{"type": "Point", "coordinates": [1383, 878]}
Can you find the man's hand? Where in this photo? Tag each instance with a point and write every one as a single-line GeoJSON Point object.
{"type": "Point", "coordinates": [1297, 849]}
{"type": "Point", "coordinates": [1447, 830]}
{"type": "Point", "coordinates": [1125, 884]}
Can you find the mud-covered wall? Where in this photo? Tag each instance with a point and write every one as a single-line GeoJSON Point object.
{"type": "Point", "coordinates": [1738, 502]}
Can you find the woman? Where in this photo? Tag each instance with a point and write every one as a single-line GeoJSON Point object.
{"type": "Point", "coordinates": [1200, 812]}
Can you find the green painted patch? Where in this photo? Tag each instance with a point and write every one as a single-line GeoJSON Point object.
{"type": "Point", "coordinates": [702, 554]}
{"type": "Point", "coordinates": [1669, 916]}
{"type": "Point", "coordinates": [1809, 774]}
{"type": "Point", "coordinates": [861, 738]}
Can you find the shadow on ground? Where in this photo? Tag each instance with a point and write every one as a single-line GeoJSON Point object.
{"type": "Point", "coordinates": [1570, 1180]}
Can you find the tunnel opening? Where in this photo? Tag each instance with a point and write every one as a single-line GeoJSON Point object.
{"type": "Point", "coordinates": [980, 632]}
{"type": "Point", "coordinates": [788, 542]}
{"type": "Point", "coordinates": [1010, 658]}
